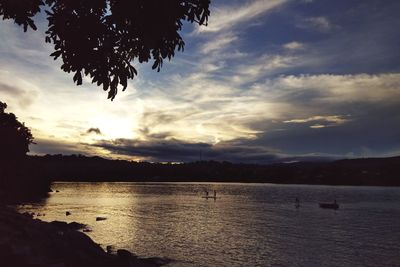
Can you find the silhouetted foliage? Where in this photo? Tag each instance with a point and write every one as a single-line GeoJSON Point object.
{"type": "Point", "coordinates": [20, 178]}
{"type": "Point", "coordinates": [15, 137]}
{"type": "Point", "coordinates": [101, 38]}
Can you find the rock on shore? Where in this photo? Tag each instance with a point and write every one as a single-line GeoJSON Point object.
{"type": "Point", "coordinates": [30, 242]}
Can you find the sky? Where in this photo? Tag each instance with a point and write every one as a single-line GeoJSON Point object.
{"type": "Point", "coordinates": [266, 81]}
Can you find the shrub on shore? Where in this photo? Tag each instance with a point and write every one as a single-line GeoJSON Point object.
{"type": "Point", "coordinates": [20, 178]}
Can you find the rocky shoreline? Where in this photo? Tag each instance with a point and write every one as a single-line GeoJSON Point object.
{"type": "Point", "coordinates": [28, 242]}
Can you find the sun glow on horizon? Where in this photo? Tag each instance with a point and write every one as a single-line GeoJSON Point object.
{"type": "Point", "coordinates": [113, 127]}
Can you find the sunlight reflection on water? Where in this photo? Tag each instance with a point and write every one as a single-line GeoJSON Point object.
{"type": "Point", "coordinates": [248, 225]}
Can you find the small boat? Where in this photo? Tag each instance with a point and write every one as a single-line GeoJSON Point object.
{"type": "Point", "coordinates": [334, 206]}
{"type": "Point", "coordinates": [207, 197]}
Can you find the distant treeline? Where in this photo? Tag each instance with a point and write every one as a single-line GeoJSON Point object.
{"type": "Point", "coordinates": [366, 171]}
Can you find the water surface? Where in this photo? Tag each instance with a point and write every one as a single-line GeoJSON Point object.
{"type": "Point", "coordinates": [248, 225]}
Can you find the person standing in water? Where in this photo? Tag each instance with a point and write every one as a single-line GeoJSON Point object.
{"type": "Point", "coordinates": [297, 203]}
{"type": "Point", "coordinates": [215, 194]}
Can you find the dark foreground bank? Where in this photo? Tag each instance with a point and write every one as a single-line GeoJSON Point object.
{"type": "Point", "coordinates": [27, 242]}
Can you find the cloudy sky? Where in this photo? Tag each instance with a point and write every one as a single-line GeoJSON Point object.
{"type": "Point", "coordinates": [267, 80]}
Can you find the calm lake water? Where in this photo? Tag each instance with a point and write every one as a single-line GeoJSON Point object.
{"type": "Point", "coordinates": [248, 225]}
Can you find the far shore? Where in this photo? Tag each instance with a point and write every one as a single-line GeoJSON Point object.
{"type": "Point", "coordinates": [357, 172]}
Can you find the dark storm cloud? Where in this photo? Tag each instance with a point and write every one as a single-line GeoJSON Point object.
{"type": "Point", "coordinates": [94, 131]}
{"type": "Point", "coordinates": [180, 151]}
{"type": "Point", "coordinates": [372, 131]}
{"type": "Point", "coordinates": [47, 146]}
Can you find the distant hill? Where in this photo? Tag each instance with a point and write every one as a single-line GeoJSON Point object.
{"type": "Point", "coordinates": [366, 171]}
